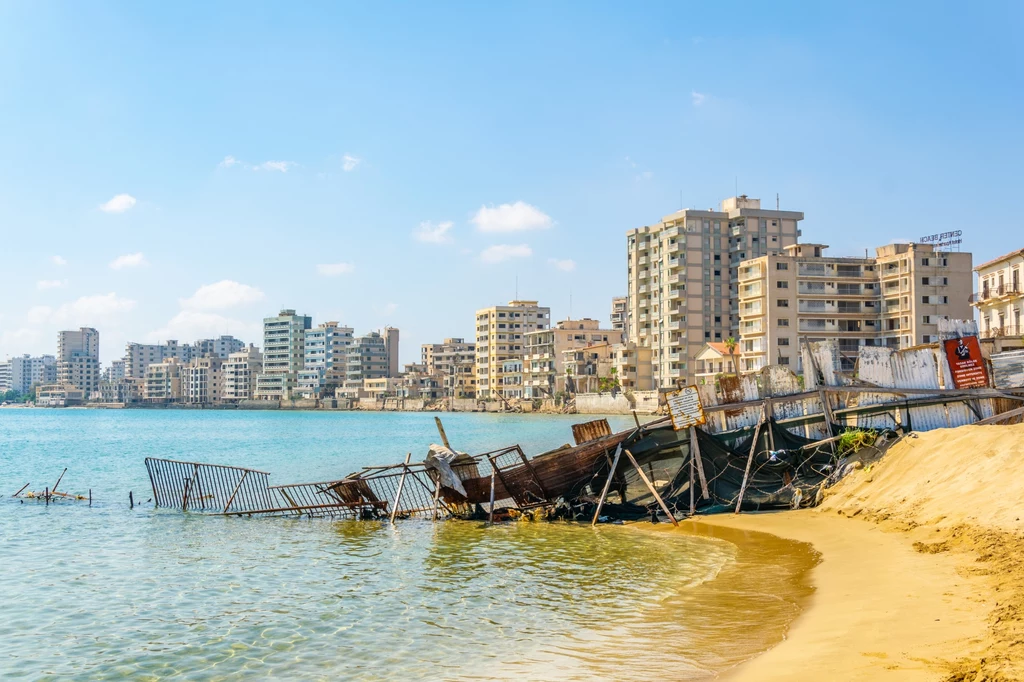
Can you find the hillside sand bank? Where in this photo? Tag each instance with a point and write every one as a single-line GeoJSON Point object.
{"type": "Point", "coordinates": [922, 571]}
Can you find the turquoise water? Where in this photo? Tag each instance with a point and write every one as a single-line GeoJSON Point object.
{"type": "Point", "coordinates": [113, 593]}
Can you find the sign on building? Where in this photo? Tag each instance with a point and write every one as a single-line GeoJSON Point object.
{"type": "Point", "coordinates": [685, 408]}
{"type": "Point", "coordinates": [965, 362]}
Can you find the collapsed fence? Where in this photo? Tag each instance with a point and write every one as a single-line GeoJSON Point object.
{"type": "Point", "coordinates": [769, 441]}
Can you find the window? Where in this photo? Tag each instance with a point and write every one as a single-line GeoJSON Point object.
{"type": "Point", "coordinates": [782, 303]}
{"type": "Point", "coordinates": [924, 261]}
{"type": "Point", "coordinates": [782, 284]}
{"type": "Point", "coordinates": [783, 340]}
{"type": "Point", "coordinates": [924, 280]}
{"type": "Point", "coordinates": [718, 273]}
{"type": "Point", "coordinates": [782, 266]}
{"type": "Point", "coordinates": [927, 319]}
{"type": "Point", "coordinates": [783, 359]}
{"type": "Point", "coordinates": [783, 321]}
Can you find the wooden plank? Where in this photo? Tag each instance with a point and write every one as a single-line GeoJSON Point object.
{"type": "Point", "coordinates": [607, 484]}
{"type": "Point", "coordinates": [695, 452]}
{"type": "Point", "coordinates": [750, 460]}
{"type": "Point", "coordinates": [440, 429]}
{"type": "Point", "coordinates": [650, 486]}
{"type": "Point", "coordinates": [490, 511]}
{"type": "Point", "coordinates": [1000, 418]}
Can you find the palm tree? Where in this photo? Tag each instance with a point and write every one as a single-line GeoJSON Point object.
{"type": "Point", "coordinates": [730, 345]}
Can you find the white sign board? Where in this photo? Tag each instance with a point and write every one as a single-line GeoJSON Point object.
{"type": "Point", "coordinates": [685, 408]}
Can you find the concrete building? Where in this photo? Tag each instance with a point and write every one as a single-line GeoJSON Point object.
{"type": "Point", "coordinates": [620, 313]}
{"type": "Point", "coordinates": [59, 395]}
{"type": "Point", "coordinates": [203, 381]}
{"type": "Point", "coordinates": [512, 378]}
{"type": "Point", "coordinates": [220, 347]}
{"type": "Point", "coordinates": [139, 356]}
{"type": "Point", "coordinates": [999, 299]}
{"type": "Point", "coordinates": [115, 371]}
{"type": "Point", "coordinates": [453, 362]}
{"type": "Point", "coordinates": [124, 390]}
{"type": "Point", "coordinates": [682, 274]}
{"type": "Point", "coordinates": [894, 299]}
{"type": "Point", "coordinates": [390, 335]}
{"type": "Point", "coordinates": [22, 373]}
{"type": "Point", "coordinates": [163, 382]}
{"type": "Point", "coordinates": [239, 374]}
{"type": "Point", "coordinates": [542, 352]}
{"type": "Point", "coordinates": [366, 358]}
{"type": "Point", "coordinates": [284, 351]}
{"type": "Point", "coordinates": [78, 359]}
{"type": "Point", "coordinates": [499, 337]}
{"type": "Point", "coordinates": [324, 364]}
{"type": "Point", "coordinates": [714, 359]}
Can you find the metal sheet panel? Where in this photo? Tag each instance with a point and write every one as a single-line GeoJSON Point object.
{"type": "Point", "coordinates": [1008, 369]}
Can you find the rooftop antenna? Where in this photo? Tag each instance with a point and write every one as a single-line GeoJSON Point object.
{"type": "Point", "coordinates": [776, 201]}
{"type": "Point", "coordinates": [517, 286]}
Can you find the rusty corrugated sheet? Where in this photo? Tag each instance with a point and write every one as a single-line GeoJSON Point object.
{"type": "Point", "coordinates": [588, 431]}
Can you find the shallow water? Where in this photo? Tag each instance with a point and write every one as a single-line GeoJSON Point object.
{"type": "Point", "coordinates": [112, 593]}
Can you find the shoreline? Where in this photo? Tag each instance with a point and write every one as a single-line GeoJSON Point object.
{"type": "Point", "coordinates": [879, 607]}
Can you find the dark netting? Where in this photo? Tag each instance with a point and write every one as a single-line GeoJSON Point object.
{"type": "Point", "coordinates": [787, 470]}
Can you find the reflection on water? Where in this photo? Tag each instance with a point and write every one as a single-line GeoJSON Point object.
{"type": "Point", "coordinates": [108, 593]}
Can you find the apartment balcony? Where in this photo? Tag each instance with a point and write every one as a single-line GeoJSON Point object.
{"type": "Point", "coordinates": [1004, 291]}
{"type": "Point", "coordinates": [807, 270]}
{"type": "Point", "coordinates": [1002, 332]}
{"type": "Point", "coordinates": [643, 260]}
{"type": "Point", "coordinates": [675, 278]}
{"type": "Point", "coordinates": [747, 329]}
{"type": "Point", "coordinates": [746, 274]}
{"type": "Point", "coordinates": [675, 262]}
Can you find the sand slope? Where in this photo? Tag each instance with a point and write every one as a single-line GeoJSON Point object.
{"type": "Point", "coordinates": [927, 581]}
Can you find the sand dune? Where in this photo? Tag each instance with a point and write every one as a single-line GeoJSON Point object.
{"type": "Point", "coordinates": [922, 575]}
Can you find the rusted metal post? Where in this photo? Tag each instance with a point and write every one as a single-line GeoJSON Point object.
{"type": "Point", "coordinates": [90, 497]}
{"type": "Point", "coordinates": [750, 460]}
{"type": "Point", "coordinates": [20, 490]}
{"type": "Point", "coordinates": [650, 486]}
{"type": "Point", "coordinates": [131, 500]}
{"type": "Point", "coordinates": [59, 479]}
{"type": "Point", "coordinates": [693, 505]}
{"type": "Point", "coordinates": [607, 484]}
{"type": "Point", "coordinates": [490, 512]}
{"type": "Point", "coordinates": [401, 484]}
{"type": "Point", "coordinates": [437, 490]}
{"type": "Point", "coordinates": [46, 495]}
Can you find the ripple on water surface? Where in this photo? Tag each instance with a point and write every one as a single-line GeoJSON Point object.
{"type": "Point", "coordinates": [108, 593]}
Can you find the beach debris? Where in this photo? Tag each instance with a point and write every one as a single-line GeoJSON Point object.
{"type": "Point", "coordinates": [48, 494]}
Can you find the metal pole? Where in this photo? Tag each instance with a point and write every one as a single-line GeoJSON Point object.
{"type": "Point", "coordinates": [750, 460]}
{"type": "Point", "coordinates": [490, 514]}
{"type": "Point", "coordinates": [401, 484]}
{"type": "Point", "coordinates": [650, 486]}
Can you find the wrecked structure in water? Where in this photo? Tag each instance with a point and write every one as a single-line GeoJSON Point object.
{"type": "Point", "coordinates": [767, 440]}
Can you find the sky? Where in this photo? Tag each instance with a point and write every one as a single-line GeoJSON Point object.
{"type": "Point", "coordinates": [182, 170]}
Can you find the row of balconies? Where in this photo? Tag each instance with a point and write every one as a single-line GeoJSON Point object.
{"type": "Point", "coordinates": [1001, 291]}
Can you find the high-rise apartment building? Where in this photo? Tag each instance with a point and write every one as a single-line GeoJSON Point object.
{"type": "Point", "coordinates": [324, 365]}
{"type": "Point", "coordinates": [453, 362]}
{"type": "Point", "coordinates": [164, 382]}
{"type": "Point", "coordinates": [366, 358]}
{"type": "Point", "coordinates": [78, 359]}
{"type": "Point", "coordinates": [682, 274]}
{"type": "Point", "coordinates": [220, 347]}
{"type": "Point", "coordinates": [542, 357]}
{"type": "Point", "coordinates": [499, 337]}
{"type": "Point", "coordinates": [239, 374]}
{"type": "Point", "coordinates": [139, 356]}
{"type": "Point", "coordinates": [114, 371]}
{"type": "Point", "coordinates": [390, 335]}
{"type": "Point", "coordinates": [1000, 296]}
{"type": "Point", "coordinates": [894, 299]}
{"type": "Point", "coordinates": [620, 312]}
{"type": "Point", "coordinates": [22, 373]}
{"type": "Point", "coordinates": [284, 351]}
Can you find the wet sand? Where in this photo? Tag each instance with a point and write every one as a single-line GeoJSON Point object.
{"type": "Point", "coordinates": [922, 566]}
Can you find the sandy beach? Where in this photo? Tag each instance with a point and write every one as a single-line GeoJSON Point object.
{"type": "Point", "coordinates": [921, 574]}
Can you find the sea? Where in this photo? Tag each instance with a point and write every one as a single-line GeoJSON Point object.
{"type": "Point", "coordinates": [114, 592]}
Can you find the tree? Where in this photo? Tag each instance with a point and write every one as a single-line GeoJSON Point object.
{"type": "Point", "coordinates": [730, 345]}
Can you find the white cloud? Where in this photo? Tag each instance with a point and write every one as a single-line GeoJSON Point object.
{"type": "Point", "coordinates": [503, 252]}
{"type": "Point", "coordinates": [281, 166]}
{"type": "Point", "coordinates": [228, 162]}
{"type": "Point", "coordinates": [221, 295]}
{"type": "Point", "coordinates": [119, 204]}
{"type": "Point", "coordinates": [698, 98]}
{"type": "Point", "coordinates": [350, 163]}
{"type": "Point", "coordinates": [334, 269]}
{"type": "Point", "coordinates": [58, 260]}
{"type": "Point", "coordinates": [197, 324]}
{"type": "Point", "coordinates": [390, 308]}
{"type": "Point", "coordinates": [646, 175]}
{"type": "Point", "coordinates": [563, 264]}
{"type": "Point", "coordinates": [84, 311]}
{"type": "Point", "coordinates": [511, 218]}
{"type": "Point", "coordinates": [129, 260]}
{"type": "Point", "coordinates": [45, 284]}
{"type": "Point", "coordinates": [20, 338]}
{"type": "Point", "coordinates": [434, 234]}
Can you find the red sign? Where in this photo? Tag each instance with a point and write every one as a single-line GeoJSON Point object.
{"type": "Point", "coordinates": [965, 362]}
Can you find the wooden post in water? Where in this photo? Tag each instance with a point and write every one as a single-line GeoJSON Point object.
{"type": "Point", "coordinates": [59, 479]}
{"type": "Point", "coordinates": [750, 460]}
{"type": "Point", "coordinates": [20, 490]}
{"type": "Point", "coordinates": [607, 484]}
{"type": "Point", "coordinates": [437, 494]}
{"type": "Point", "coordinates": [401, 484]}
{"type": "Point", "coordinates": [650, 486]}
{"type": "Point", "coordinates": [131, 500]}
{"type": "Point", "coordinates": [490, 513]}
{"type": "Point", "coordinates": [46, 494]}
{"type": "Point", "coordinates": [90, 497]}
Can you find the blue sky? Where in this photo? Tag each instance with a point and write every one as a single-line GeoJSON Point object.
{"type": "Point", "coordinates": [185, 169]}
